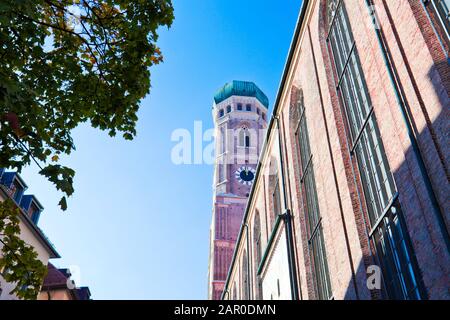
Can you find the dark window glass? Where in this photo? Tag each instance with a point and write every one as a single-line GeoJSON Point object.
{"type": "Point", "coordinates": [258, 111]}
{"type": "Point", "coordinates": [244, 137]}
{"type": "Point", "coordinates": [34, 213]}
{"type": "Point", "coordinates": [313, 219]}
{"type": "Point", "coordinates": [221, 113]}
{"type": "Point", "coordinates": [276, 199]}
{"type": "Point", "coordinates": [248, 107]}
{"type": "Point", "coordinates": [258, 253]}
{"type": "Point", "coordinates": [228, 109]}
{"type": "Point", "coordinates": [380, 193]}
{"type": "Point", "coordinates": [239, 107]}
{"type": "Point", "coordinates": [264, 116]}
{"type": "Point", "coordinates": [245, 279]}
{"type": "Point", "coordinates": [278, 286]}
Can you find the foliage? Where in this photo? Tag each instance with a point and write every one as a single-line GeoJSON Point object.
{"type": "Point", "coordinates": [62, 63]}
{"type": "Point", "coordinates": [19, 262]}
{"type": "Point", "coordinates": [65, 62]}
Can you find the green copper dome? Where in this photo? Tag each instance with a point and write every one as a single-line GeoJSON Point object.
{"type": "Point", "coordinates": [243, 89]}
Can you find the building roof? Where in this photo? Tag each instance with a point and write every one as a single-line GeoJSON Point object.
{"type": "Point", "coordinates": [243, 89]}
{"type": "Point", "coordinates": [57, 279]}
{"type": "Point", "coordinates": [26, 201]}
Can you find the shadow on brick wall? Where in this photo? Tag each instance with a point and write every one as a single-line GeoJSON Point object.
{"type": "Point", "coordinates": [429, 256]}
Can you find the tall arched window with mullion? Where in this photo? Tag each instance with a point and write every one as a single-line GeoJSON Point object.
{"type": "Point", "coordinates": [388, 231]}
{"type": "Point", "coordinates": [316, 242]}
{"type": "Point", "coordinates": [257, 253]}
{"type": "Point", "coordinates": [245, 278]}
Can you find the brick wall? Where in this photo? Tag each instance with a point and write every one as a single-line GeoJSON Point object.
{"type": "Point", "coordinates": [420, 64]}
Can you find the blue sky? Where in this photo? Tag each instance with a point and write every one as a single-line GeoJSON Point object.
{"type": "Point", "coordinates": [138, 225]}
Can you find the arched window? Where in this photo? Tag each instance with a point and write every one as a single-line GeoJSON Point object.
{"type": "Point", "coordinates": [244, 137]}
{"type": "Point", "coordinates": [257, 252]}
{"type": "Point", "coordinates": [245, 278]}
{"type": "Point", "coordinates": [222, 140]}
{"type": "Point", "coordinates": [221, 113]}
{"type": "Point", "coordinates": [316, 242]}
{"type": "Point", "coordinates": [386, 226]}
{"type": "Point", "coordinates": [274, 191]}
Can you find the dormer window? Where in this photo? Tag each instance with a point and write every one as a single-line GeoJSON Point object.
{"type": "Point", "coordinates": [34, 213]}
{"type": "Point", "coordinates": [14, 184]}
{"type": "Point", "coordinates": [228, 109]}
{"type": "Point", "coordinates": [248, 107]}
{"type": "Point", "coordinates": [239, 107]}
{"type": "Point", "coordinates": [16, 191]}
{"type": "Point", "coordinates": [31, 207]}
{"type": "Point", "coordinates": [221, 113]}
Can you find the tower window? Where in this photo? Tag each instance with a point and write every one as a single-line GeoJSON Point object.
{"type": "Point", "coordinates": [258, 111]}
{"type": "Point", "coordinates": [263, 116]}
{"type": "Point", "coordinates": [228, 109]}
{"type": "Point", "coordinates": [244, 137]}
{"type": "Point", "coordinates": [239, 106]}
{"type": "Point", "coordinates": [248, 107]}
{"type": "Point", "coordinates": [221, 113]}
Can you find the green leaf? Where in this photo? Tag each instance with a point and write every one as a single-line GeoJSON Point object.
{"type": "Point", "coordinates": [63, 203]}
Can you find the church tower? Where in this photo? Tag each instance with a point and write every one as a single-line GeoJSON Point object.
{"type": "Point", "coordinates": [240, 117]}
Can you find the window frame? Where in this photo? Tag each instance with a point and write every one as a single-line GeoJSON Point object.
{"type": "Point", "coordinates": [257, 244]}
{"type": "Point", "coordinates": [366, 145]}
{"type": "Point", "coordinates": [316, 242]}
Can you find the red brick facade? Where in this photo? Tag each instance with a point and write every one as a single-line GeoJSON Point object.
{"type": "Point", "coordinates": [405, 71]}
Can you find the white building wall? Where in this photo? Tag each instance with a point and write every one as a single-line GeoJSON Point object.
{"type": "Point", "coordinates": [277, 273]}
{"type": "Point", "coordinates": [27, 235]}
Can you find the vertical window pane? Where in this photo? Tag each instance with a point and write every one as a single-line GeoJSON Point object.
{"type": "Point", "coordinates": [378, 184]}
{"type": "Point", "coordinates": [315, 233]}
{"type": "Point", "coordinates": [320, 265]}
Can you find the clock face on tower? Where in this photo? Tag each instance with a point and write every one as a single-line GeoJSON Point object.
{"type": "Point", "coordinates": [245, 175]}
